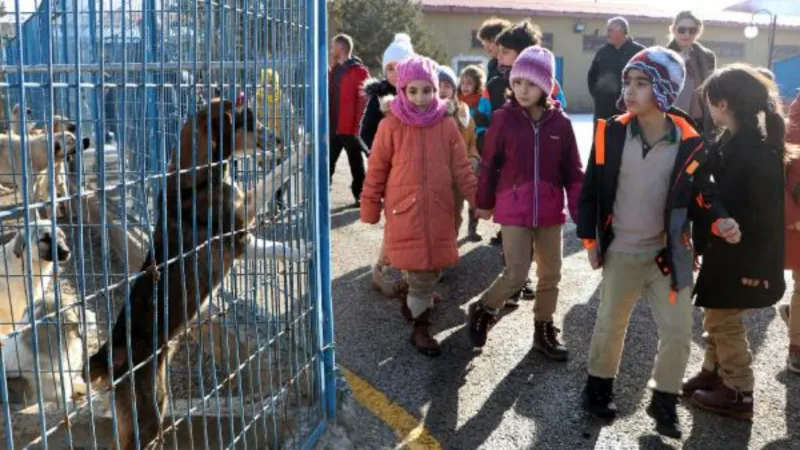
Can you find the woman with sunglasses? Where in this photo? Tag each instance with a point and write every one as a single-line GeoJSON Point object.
{"type": "Point", "coordinates": [700, 63]}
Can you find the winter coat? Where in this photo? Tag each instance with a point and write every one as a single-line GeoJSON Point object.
{"type": "Point", "coordinates": [350, 97]}
{"type": "Point", "coordinates": [692, 195]}
{"type": "Point", "coordinates": [749, 175]}
{"type": "Point", "coordinates": [605, 77]}
{"type": "Point", "coordinates": [413, 170]}
{"type": "Point", "coordinates": [706, 64]}
{"type": "Point", "coordinates": [374, 91]}
{"type": "Point", "coordinates": [481, 111]}
{"type": "Point", "coordinates": [527, 166]}
{"type": "Point", "coordinates": [792, 191]}
{"type": "Point", "coordinates": [495, 90]}
{"type": "Point", "coordinates": [492, 69]}
{"type": "Point", "coordinates": [466, 125]}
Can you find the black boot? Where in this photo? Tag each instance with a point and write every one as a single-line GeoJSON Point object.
{"type": "Point", "coordinates": [422, 339]}
{"type": "Point", "coordinates": [481, 320]}
{"type": "Point", "coordinates": [545, 340]}
{"type": "Point", "coordinates": [663, 410]}
{"type": "Point", "coordinates": [598, 397]}
{"type": "Point", "coordinates": [528, 290]}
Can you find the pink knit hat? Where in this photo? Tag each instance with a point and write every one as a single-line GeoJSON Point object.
{"type": "Point", "coordinates": [417, 68]}
{"type": "Point", "coordinates": [537, 65]}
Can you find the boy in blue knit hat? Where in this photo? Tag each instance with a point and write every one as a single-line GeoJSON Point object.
{"type": "Point", "coordinates": [646, 181]}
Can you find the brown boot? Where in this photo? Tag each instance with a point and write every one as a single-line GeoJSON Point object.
{"type": "Point", "coordinates": [545, 340]}
{"type": "Point", "coordinates": [705, 380]}
{"type": "Point", "coordinates": [422, 338]}
{"type": "Point", "coordinates": [725, 401]}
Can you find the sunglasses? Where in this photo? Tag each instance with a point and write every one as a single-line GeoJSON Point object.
{"type": "Point", "coordinates": [688, 30]}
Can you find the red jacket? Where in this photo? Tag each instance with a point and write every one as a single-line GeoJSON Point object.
{"type": "Point", "coordinates": [792, 195]}
{"type": "Point", "coordinates": [351, 96]}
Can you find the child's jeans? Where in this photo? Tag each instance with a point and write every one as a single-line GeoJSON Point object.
{"type": "Point", "coordinates": [517, 245]}
{"type": "Point", "coordinates": [727, 349]}
{"type": "Point", "coordinates": [794, 312]}
{"type": "Point", "coordinates": [420, 290]}
{"type": "Point", "coordinates": [626, 278]}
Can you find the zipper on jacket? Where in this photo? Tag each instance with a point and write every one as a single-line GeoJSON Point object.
{"type": "Point", "coordinates": [425, 193]}
{"type": "Point", "coordinates": [535, 176]}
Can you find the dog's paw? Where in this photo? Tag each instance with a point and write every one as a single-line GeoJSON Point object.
{"type": "Point", "coordinates": [79, 390]}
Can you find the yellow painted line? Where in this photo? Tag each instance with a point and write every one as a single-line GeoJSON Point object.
{"type": "Point", "coordinates": [408, 429]}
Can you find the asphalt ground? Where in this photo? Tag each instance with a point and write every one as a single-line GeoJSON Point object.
{"type": "Point", "coordinates": [508, 396]}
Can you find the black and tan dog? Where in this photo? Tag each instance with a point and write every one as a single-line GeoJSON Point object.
{"type": "Point", "coordinates": [186, 282]}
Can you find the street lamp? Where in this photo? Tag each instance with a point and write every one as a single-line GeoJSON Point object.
{"type": "Point", "coordinates": [751, 31]}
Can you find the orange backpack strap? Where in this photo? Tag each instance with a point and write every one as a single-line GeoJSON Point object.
{"type": "Point", "coordinates": [600, 143]}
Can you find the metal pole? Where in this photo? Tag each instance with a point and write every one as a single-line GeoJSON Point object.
{"type": "Point", "coordinates": [772, 29]}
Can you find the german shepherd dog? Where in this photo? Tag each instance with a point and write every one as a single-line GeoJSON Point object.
{"type": "Point", "coordinates": [168, 273]}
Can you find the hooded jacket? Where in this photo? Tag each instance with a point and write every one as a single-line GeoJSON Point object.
{"type": "Point", "coordinates": [347, 97]}
{"type": "Point", "coordinates": [412, 172]}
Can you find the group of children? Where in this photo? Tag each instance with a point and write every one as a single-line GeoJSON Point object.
{"type": "Point", "coordinates": [655, 197]}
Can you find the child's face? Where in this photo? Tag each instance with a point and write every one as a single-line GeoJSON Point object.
{"type": "Point", "coordinates": [637, 92]}
{"type": "Point", "coordinates": [720, 113]}
{"type": "Point", "coordinates": [526, 93]}
{"type": "Point", "coordinates": [446, 90]}
{"type": "Point", "coordinates": [420, 93]}
{"type": "Point", "coordinates": [391, 73]}
{"type": "Point", "coordinates": [467, 85]}
{"type": "Point", "coordinates": [506, 56]}
{"type": "Point", "coordinates": [489, 47]}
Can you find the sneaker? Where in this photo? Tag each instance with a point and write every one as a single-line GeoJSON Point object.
{"type": "Point", "coordinates": [513, 301]}
{"type": "Point", "coordinates": [785, 312]}
{"type": "Point", "coordinates": [793, 361]}
{"type": "Point", "coordinates": [545, 340]}
{"type": "Point", "coordinates": [704, 380]}
{"type": "Point", "coordinates": [598, 397]}
{"type": "Point", "coordinates": [528, 290]}
{"type": "Point", "coordinates": [725, 401]}
{"type": "Point", "coordinates": [663, 409]}
{"type": "Point", "coordinates": [481, 320]}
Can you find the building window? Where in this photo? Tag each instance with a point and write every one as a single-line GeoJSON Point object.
{"type": "Point", "coordinates": [593, 42]}
{"type": "Point", "coordinates": [461, 61]}
{"type": "Point", "coordinates": [726, 49]}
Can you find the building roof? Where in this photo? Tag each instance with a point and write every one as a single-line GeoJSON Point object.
{"type": "Point", "coordinates": [595, 10]}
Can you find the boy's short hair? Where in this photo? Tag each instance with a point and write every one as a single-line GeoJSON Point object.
{"type": "Point", "coordinates": [520, 36]}
{"type": "Point", "coordinates": [345, 41]}
{"type": "Point", "coordinates": [490, 28]}
{"type": "Point", "coordinates": [477, 74]}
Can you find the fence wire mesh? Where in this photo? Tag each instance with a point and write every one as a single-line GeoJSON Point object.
{"type": "Point", "coordinates": [160, 203]}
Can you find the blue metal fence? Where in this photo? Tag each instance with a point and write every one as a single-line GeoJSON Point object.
{"type": "Point", "coordinates": [255, 368]}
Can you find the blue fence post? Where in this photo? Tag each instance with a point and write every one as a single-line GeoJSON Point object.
{"type": "Point", "coordinates": [320, 94]}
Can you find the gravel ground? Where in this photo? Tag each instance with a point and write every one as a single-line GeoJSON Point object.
{"type": "Point", "coordinates": [508, 397]}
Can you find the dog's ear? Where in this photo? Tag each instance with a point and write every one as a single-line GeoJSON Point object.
{"type": "Point", "coordinates": [19, 246]}
{"type": "Point", "coordinates": [222, 120]}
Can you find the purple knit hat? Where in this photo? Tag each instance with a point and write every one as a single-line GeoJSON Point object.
{"type": "Point", "coordinates": [537, 65]}
{"type": "Point", "coordinates": [667, 73]}
{"type": "Point", "coordinates": [417, 68]}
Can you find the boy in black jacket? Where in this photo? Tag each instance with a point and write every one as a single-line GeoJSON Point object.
{"type": "Point", "coordinates": [645, 182]}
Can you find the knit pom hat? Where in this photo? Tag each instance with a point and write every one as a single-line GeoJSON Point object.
{"type": "Point", "coordinates": [447, 74]}
{"type": "Point", "coordinates": [667, 73]}
{"type": "Point", "coordinates": [537, 65]}
{"type": "Point", "coordinates": [398, 50]}
{"type": "Point", "coordinates": [417, 68]}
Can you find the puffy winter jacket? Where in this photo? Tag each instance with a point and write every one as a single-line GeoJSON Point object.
{"type": "Point", "coordinates": [526, 167]}
{"type": "Point", "coordinates": [374, 91]}
{"type": "Point", "coordinates": [350, 104]}
{"type": "Point", "coordinates": [412, 171]}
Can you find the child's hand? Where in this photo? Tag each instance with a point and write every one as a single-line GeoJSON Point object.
{"type": "Point", "coordinates": [728, 229]}
{"type": "Point", "coordinates": [750, 282]}
{"type": "Point", "coordinates": [476, 165]}
{"type": "Point", "coordinates": [484, 214]}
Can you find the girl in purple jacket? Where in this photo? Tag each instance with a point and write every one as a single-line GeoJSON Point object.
{"type": "Point", "coordinates": [530, 159]}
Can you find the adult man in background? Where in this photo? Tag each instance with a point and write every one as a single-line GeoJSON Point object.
{"type": "Point", "coordinates": [346, 102]}
{"type": "Point", "coordinates": [605, 75]}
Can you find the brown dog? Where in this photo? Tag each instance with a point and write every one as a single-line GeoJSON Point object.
{"type": "Point", "coordinates": [186, 282]}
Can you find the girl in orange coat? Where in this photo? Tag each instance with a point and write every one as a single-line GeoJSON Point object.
{"type": "Point", "coordinates": [417, 157]}
{"type": "Point", "coordinates": [791, 314]}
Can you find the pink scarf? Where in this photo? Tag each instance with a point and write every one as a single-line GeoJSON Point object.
{"type": "Point", "coordinates": [413, 117]}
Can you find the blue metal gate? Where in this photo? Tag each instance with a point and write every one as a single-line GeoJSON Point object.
{"type": "Point", "coordinates": [255, 369]}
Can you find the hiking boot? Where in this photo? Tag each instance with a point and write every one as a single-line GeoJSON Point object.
{"type": "Point", "coordinates": [481, 320]}
{"type": "Point", "coordinates": [422, 338]}
{"type": "Point", "coordinates": [705, 380]}
{"type": "Point", "coordinates": [663, 409]}
{"type": "Point", "coordinates": [528, 290]}
{"type": "Point", "coordinates": [785, 312]}
{"type": "Point", "coordinates": [725, 401]}
{"type": "Point", "coordinates": [793, 360]}
{"type": "Point", "coordinates": [598, 397]}
{"type": "Point", "coordinates": [545, 340]}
